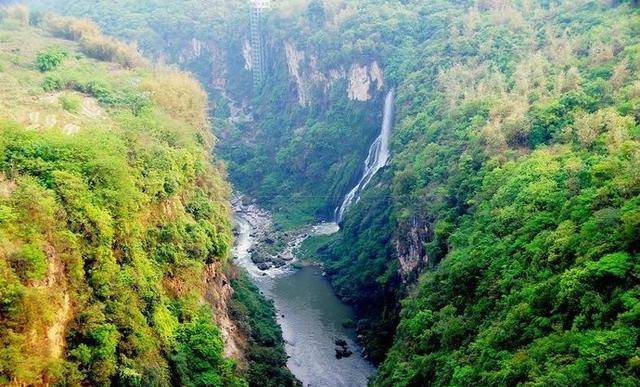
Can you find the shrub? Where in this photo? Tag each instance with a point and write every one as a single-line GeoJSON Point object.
{"type": "Point", "coordinates": [51, 83]}
{"type": "Point", "coordinates": [50, 59]}
{"type": "Point", "coordinates": [19, 13]}
{"type": "Point", "coordinates": [70, 102]}
{"type": "Point", "coordinates": [100, 91]}
{"type": "Point", "coordinates": [93, 43]}
{"type": "Point", "coordinates": [30, 263]}
{"type": "Point", "coordinates": [198, 357]}
{"type": "Point", "coordinates": [110, 50]}
{"type": "Point", "coordinates": [71, 28]}
{"type": "Point", "coordinates": [179, 95]}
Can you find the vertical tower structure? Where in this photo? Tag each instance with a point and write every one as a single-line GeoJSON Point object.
{"type": "Point", "coordinates": [257, 41]}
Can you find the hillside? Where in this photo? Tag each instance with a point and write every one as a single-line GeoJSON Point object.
{"type": "Point", "coordinates": [114, 218]}
{"type": "Point", "coordinates": [500, 245]}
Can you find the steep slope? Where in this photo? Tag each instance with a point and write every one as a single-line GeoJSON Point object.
{"type": "Point", "coordinates": [516, 174]}
{"type": "Point", "coordinates": [114, 220]}
{"type": "Point", "coordinates": [513, 186]}
{"type": "Point", "coordinates": [297, 142]}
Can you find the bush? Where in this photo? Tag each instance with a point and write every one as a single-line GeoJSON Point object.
{"type": "Point", "coordinates": [178, 94]}
{"type": "Point", "coordinates": [51, 83]}
{"type": "Point", "coordinates": [93, 43]}
{"type": "Point", "coordinates": [71, 28]}
{"type": "Point", "coordinates": [110, 50]}
{"type": "Point", "coordinates": [198, 357]}
{"type": "Point", "coordinates": [30, 263]}
{"type": "Point", "coordinates": [19, 13]}
{"type": "Point", "coordinates": [70, 102]}
{"type": "Point", "coordinates": [50, 59]}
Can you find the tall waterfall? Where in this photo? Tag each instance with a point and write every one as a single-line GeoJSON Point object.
{"type": "Point", "coordinates": [376, 159]}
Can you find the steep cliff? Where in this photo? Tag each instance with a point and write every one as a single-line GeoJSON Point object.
{"type": "Point", "coordinates": [315, 113]}
{"type": "Point", "coordinates": [114, 216]}
{"type": "Point", "coordinates": [512, 194]}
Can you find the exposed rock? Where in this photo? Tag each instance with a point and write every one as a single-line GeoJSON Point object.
{"type": "Point", "coordinates": [247, 53]}
{"type": "Point", "coordinates": [56, 279]}
{"type": "Point", "coordinates": [7, 186]}
{"type": "Point", "coordinates": [263, 266]}
{"type": "Point", "coordinates": [359, 83]}
{"type": "Point", "coordinates": [361, 78]}
{"type": "Point", "coordinates": [377, 75]}
{"type": "Point", "coordinates": [91, 108]}
{"type": "Point", "coordinates": [294, 59]}
{"type": "Point", "coordinates": [218, 293]}
{"type": "Point", "coordinates": [342, 351]}
{"type": "Point", "coordinates": [196, 47]}
{"type": "Point", "coordinates": [409, 244]}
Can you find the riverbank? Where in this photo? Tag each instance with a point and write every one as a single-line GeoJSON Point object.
{"type": "Point", "coordinates": [323, 349]}
{"type": "Point", "coordinates": [273, 248]}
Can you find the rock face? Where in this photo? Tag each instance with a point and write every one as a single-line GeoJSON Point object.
{"type": "Point", "coordinates": [304, 70]}
{"type": "Point", "coordinates": [218, 292]}
{"type": "Point", "coordinates": [342, 349]}
{"type": "Point", "coordinates": [247, 54]}
{"type": "Point", "coordinates": [410, 249]}
{"type": "Point", "coordinates": [294, 60]}
{"type": "Point", "coordinates": [361, 78]}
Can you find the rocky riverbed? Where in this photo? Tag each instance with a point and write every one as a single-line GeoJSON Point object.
{"type": "Point", "coordinates": [274, 248]}
{"type": "Point", "coordinates": [323, 350]}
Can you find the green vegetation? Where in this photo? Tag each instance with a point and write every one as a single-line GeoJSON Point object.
{"type": "Point", "coordinates": [297, 160]}
{"type": "Point", "coordinates": [108, 219]}
{"type": "Point", "coordinates": [255, 316]}
{"type": "Point", "coordinates": [540, 283]}
{"type": "Point", "coordinates": [70, 102]}
{"type": "Point", "coordinates": [50, 59]}
{"type": "Point", "coordinates": [198, 357]}
{"type": "Point", "coordinates": [516, 159]}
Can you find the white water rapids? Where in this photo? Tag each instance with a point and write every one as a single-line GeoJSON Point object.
{"type": "Point", "coordinates": [376, 159]}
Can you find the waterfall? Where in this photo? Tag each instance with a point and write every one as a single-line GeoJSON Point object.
{"type": "Point", "coordinates": [376, 159]}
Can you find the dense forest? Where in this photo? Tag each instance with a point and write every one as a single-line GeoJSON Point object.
{"type": "Point", "coordinates": [500, 245]}
{"type": "Point", "coordinates": [115, 225]}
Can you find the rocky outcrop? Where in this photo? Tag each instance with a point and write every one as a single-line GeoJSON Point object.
{"type": "Point", "coordinates": [218, 292]}
{"type": "Point", "coordinates": [362, 78]}
{"type": "Point", "coordinates": [56, 279]}
{"type": "Point", "coordinates": [294, 61]}
{"type": "Point", "coordinates": [410, 248]}
{"type": "Point", "coordinates": [247, 54]}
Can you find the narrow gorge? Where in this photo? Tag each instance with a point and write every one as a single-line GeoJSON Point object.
{"type": "Point", "coordinates": [320, 192]}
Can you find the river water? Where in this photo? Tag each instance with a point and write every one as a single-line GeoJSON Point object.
{"type": "Point", "coordinates": [311, 317]}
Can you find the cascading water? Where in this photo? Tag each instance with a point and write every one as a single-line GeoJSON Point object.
{"type": "Point", "coordinates": [376, 159]}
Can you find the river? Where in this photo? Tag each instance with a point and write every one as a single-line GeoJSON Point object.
{"type": "Point", "coordinates": [311, 317]}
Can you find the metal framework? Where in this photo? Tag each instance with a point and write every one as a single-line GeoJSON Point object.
{"type": "Point", "coordinates": [257, 41]}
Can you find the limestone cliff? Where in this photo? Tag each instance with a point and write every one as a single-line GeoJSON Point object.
{"type": "Point", "coordinates": [410, 250]}
{"type": "Point", "coordinates": [218, 292]}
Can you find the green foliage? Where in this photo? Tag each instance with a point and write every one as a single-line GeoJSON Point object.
{"type": "Point", "coordinates": [514, 173]}
{"type": "Point", "coordinates": [84, 298]}
{"type": "Point", "coordinates": [88, 79]}
{"type": "Point", "coordinates": [29, 263]}
{"type": "Point", "coordinates": [198, 356]}
{"type": "Point", "coordinates": [70, 102]}
{"type": "Point", "coordinates": [533, 288]}
{"type": "Point", "coordinates": [50, 59]}
{"type": "Point", "coordinates": [256, 316]}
